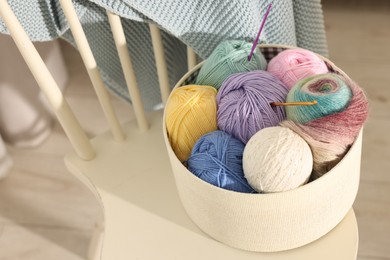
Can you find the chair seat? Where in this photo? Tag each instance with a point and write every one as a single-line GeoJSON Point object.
{"type": "Point", "coordinates": [143, 215]}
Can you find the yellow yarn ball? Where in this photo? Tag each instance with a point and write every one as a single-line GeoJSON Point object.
{"type": "Point", "coordinates": [190, 113]}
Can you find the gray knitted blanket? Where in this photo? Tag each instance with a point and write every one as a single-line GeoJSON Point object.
{"type": "Point", "coordinates": [201, 24]}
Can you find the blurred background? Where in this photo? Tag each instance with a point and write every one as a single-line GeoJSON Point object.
{"type": "Point", "coordinates": [45, 213]}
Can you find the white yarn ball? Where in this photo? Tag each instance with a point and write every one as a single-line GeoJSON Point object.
{"type": "Point", "coordinates": [277, 159]}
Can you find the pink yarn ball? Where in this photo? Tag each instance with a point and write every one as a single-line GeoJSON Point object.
{"type": "Point", "coordinates": [292, 65]}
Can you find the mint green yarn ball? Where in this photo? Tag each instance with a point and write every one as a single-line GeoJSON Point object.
{"type": "Point", "coordinates": [329, 90]}
{"type": "Point", "coordinates": [229, 57]}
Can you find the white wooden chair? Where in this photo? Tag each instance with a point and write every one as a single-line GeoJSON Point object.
{"type": "Point", "coordinates": [128, 170]}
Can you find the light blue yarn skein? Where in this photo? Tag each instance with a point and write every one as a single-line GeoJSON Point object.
{"type": "Point", "coordinates": [329, 90]}
{"type": "Point", "coordinates": [217, 159]}
{"type": "Point", "coordinates": [229, 57]}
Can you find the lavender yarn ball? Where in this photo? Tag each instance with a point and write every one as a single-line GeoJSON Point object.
{"type": "Point", "coordinates": [244, 103]}
{"type": "Point", "coordinates": [217, 159]}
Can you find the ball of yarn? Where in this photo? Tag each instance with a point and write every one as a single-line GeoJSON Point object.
{"type": "Point", "coordinates": [229, 57]}
{"type": "Point", "coordinates": [217, 159]}
{"type": "Point", "coordinates": [244, 103]}
{"type": "Point", "coordinates": [329, 90]}
{"type": "Point", "coordinates": [292, 65]}
{"type": "Point", "coordinates": [329, 137]}
{"type": "Point", "coordinates": [276, 159]}
{"type": "Point", "coordinates": [190, 113]}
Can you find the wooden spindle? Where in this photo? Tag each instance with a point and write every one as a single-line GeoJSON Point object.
{"type": "Point", "coordinates": [46, 82]}
{"type": "Point", "coordinates": [160, 61]}
{"type": "Point", "coordinates": [128, 70]}
{"type": "Point", "coordinates": [191, 58]}
{"type": "Point", "coordinates": [92, 69]}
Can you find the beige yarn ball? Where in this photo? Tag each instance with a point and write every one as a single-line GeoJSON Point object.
{"type": "Point", "coordinates": [277, 159]}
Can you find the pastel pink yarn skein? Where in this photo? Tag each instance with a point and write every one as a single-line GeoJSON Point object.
{"type": "Point", "coordinates": [292, 65]}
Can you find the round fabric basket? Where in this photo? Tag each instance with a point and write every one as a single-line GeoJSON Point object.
{"type": "Point", "coordinates": [275, 221]}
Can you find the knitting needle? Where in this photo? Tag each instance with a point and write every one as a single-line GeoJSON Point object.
{"type": "Point", "coordinates": [259, 32]}
{"type": "Point", "coordinates": [308, 103]}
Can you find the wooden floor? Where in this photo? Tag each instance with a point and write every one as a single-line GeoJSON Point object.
{"type": "Point", "coordinates": [45, 213]}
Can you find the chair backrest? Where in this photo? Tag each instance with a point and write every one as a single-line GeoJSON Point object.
{"type": "Point", "coordinates": [159, 220]}
{"type": "Point", "coordinates": [64, 114]}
